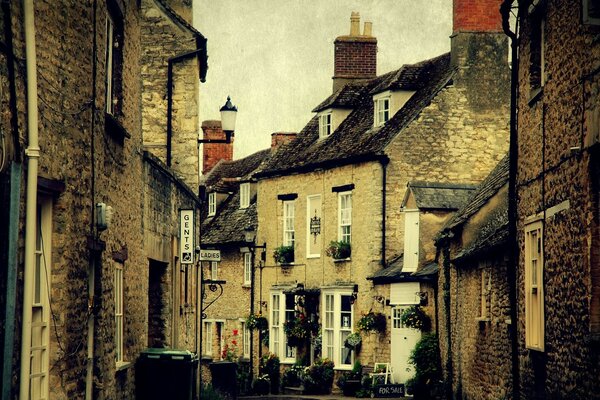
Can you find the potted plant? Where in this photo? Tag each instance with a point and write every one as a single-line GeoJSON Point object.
{"type": "Point", "coordinates": [353, 341]}
{"type": "Point", "coordinates": [372, 322]}
{"type": "Point", "coordinates": [318, 378]}
{"type": "Point", "coordinates": [284, 254]}
{"type": "Point", "coordinates": [350, 381]}
{"type": "Point", "coordinates": [414, 317]}
{"type": "Point", "coordinates": [339, 250]}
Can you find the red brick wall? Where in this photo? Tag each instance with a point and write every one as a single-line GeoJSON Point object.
{"type": "Point", "coordinates": [355, 57]}
{"type": "Point", "coordinates": [216, 151]}
{"type": "Point", "coordinates": [477, 16]}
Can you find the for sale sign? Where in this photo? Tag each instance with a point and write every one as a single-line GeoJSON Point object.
{"type": "Point", "coordinates": [186, 236]}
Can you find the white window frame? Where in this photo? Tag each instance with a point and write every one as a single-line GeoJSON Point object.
{"type": "Point", "coordinates": [244, 195]}
{"type": "Point", "coordinates": [119, 311]}
{"type": "Point", "coordinates": [345, 217]}
{"type": "Point", "coordinates": [212, 204]}
{"type": "Point", "coordinates": [109, 64]}
{"type": "Point", "coordinates": [534, 286]}
{"type": "Point", "coordinates": [277, 337]}
{"type": "Point", "coordinates": [382, 108]}
{"type": "Point", "coordinates": [325, 124]}
{"type": "Point", "coordinates": [207, 333]}
{"type": "Point", "coordinates": [39, 360]}
{"type": "Point", "coordinates": [247, 268]}
{"type": "Point", "coordinates": [214, 270]}
{"type": "Point", "coordinates": [334, 332]}
{"type": "Point", "coordinates": [586, 17]}
{"type": "Point", "coordinates": [289, 212]}
{"type": "Point", "coordinates": [245, 340]}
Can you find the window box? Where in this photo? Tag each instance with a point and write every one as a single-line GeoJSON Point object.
{"type": "Point", "coordinates": [339, 250]}
{"type": "Point", "coordinates": [284, 255]}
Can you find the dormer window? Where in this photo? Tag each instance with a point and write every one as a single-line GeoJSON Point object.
{"type": "Point", "coordinates": [382, 110]}
{"type": "Point", "coordinates": [244, 195]}
{"type": "Point", "coordinates": [325, 125]}
{"type": "Point", "coordinates": [212, 204]}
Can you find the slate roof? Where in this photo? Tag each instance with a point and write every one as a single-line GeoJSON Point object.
{"type": "Point", "coordinates": [348, 96]}
{"type": "Point", "coordinates": [393, 273]}
{"type": "Point", "coordinates": [178, 19]}
{"type": "Point", "coordinates": [224, 172]}
{"type": "Point", "coordinates": [229, 222]}
{"type": "Point", "coordinates": [356, 140]}
{"type": "Point", "coordinates": [494, 232]}
{"type": "Point", "coordinates": [439, 196]}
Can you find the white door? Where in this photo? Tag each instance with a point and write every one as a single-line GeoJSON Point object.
{"type": "Point", "coordinates": [404, 341]}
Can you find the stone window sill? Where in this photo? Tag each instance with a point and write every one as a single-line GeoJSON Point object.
{"type": "Point", "coordinates": [115, 129]}
{"type": "Point", "coordinates": [340, 260]}
{"type": "Point", "coordinates": [123, 365]}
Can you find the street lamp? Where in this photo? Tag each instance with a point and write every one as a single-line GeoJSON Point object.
{"type": "Point", "coordinates": [228, 116]}
{"type": "Point", "coordinates": [250, 239]}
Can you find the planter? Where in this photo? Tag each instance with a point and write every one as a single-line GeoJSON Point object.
{"type": "Point", "coordinates": [339, 251]}
{"type": "Point", "coordinates": [284, 255]}
{"type": "Point", "coordinates": [351, 387]}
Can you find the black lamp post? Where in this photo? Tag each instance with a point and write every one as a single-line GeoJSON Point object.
{"type": "Point", "coordinates": [228, 117]}
{"type": "Point", "coordinates": [250, 239]}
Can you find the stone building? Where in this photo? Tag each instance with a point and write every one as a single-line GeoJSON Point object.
{"type": "Point", "coordinates": [473, 314]}
{"type": "Point", "coordinates": [556, 153]}
{"type": "Point", "coordinates": [75, 295]}
{"type": "Point", "coordinates": [343, 179]}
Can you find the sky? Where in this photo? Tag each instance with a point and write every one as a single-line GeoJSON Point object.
{"type": "Point", "coordinates": [275, 57]}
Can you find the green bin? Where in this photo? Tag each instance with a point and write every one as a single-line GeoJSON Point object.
{"type": "Point", "coordinates": [166, 374]}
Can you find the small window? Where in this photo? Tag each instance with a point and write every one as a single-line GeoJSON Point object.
{"type": "Point", "coordinates": [534, 286]}
{"type": "Point", "coordinates": [118, 291]}
{"type": "Point", "coordinates": [591, 12]}
{"type": "Point", "coordinates": [214, 270]}
{"type": "Point", "coordinates": [244, 195]}
{"type": "Point", "coordinates": [208, 338]}
{"type": "Point", "coordinates": [246, 340]}
{"type": "Point", "coordinates": [345, 217]}
{"type": "Point", "coordinates": [324, 125]}
{"type": "Point", "coordinates": [212, 204]}
{"type": "Point", "coordinates": [537, 62]}
{"type": "Point", "coordinates": [382, 110]}
{"type": "Point", "coordinates": [247, 268]}
{"type": "Point", "coordinates": [288, 223]}
{"type": "Point", "coordinates": [113, 59]}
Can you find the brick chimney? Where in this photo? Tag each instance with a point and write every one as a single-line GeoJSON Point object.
{"type": "Point", "coordinates": [355, 55]}
{"type": "Point", "coordinates": [214, 152]}
{"type": "Point", "coordinates": [280, 138]}
{"type": "Point", "coordinates": [479, 49]}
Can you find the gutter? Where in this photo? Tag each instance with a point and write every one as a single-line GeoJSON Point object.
{"type": "Point", "coordinates": [384, 163]}
{"type": "Point", "coordinates": [513, 253]}
{"type": "Point", "coordinates": [172, 61]}
{"type": "Point", "coordinates": [32, 153]}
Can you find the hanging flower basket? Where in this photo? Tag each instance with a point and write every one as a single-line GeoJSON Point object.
{"type": "Point", "coordinates": [353, 341]}
{"type": "Point", "coordinates": [284, 254]}
{"type": "Point", "coordinates": [372, 322]}
{"type": "Point", "coordinates": [299, 330]}
{"type": "Point", "coordinates": [414, 317]}
{"type": "Point", "coordinates": [338, 250]}
{"type": "Point", "coordinates": [257, 321]}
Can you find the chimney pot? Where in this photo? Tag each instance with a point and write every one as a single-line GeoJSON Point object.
{"type": "Point", "coordinates": [355, 24]}
{"type": "Point", "coordinates": [368, 30]}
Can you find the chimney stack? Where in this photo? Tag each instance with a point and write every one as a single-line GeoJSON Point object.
{"type": "Point", "coordinates": [355, 55]}
{"type": "Point", "coordinates": [280, 138]}
{"type": "Point", "coordinates": [214, 152]}
{"type": "Point", "coordinates": [476, 16]}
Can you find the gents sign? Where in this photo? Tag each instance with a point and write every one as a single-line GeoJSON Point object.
{"type": "Point", "coordinates": [186, 236]}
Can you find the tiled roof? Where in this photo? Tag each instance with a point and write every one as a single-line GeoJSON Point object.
{"type": "Point", "coordinates": [356, 139]}
{"type": "Point", "coordinates": [486, 190]}
{"type": "Point", "coordinates": [221, 175]}
{"type": "Point", "coordinates": [178, 18]}
{"type": "Point", "coordinates": [347, 96]}
{"type": "Point", "coordinates": [394, 273]}
{"type": "Point", "coordinates": [227, 226]}
{"type": "Point", "coordinates": [440, 196]}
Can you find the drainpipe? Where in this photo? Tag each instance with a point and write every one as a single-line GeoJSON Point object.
{"type": "Point", "coordinates": [384, 163]}
{"type": "Point", "coordinates": [32, 153]}
{"type": "Point", "coordinates": [513, 254]}
{"type": "Point", "coordinates": [171, 62]}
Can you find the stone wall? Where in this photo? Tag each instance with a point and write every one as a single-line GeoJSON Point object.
{"type": "Point", "coordinates": [162, 38]}
{"type": "Point", "coordinates": [555, 167]}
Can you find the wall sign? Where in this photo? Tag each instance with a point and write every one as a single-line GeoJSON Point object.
{"type": "Point", "coordinates": [186, 236]}
{"type": "Point", "coordinates": [314, 227]}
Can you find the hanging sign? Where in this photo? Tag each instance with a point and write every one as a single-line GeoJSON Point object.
{"type": "Point", "coordinates": [186, 236]}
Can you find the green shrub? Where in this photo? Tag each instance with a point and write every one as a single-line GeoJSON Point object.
{"type": "Point", "coordinates": [318, 378]}
{"type": "Point", "coordinates": [260, 385]}
{"type": "Point", "coordinates": [426, 359]}
{"type": "Point", "coordinates": [284, 254]}
{"type": "Point", "coordinates": [269, 365]}
{"type": "Point", "coordinates": [292, 377]}
{"type": "Point", "coordinates": [207, 392]}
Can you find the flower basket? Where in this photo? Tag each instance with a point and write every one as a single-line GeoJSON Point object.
{"type": "Point", "coordinates": [338, 250]}
{"type": "Point", "coordinates": [353, 341]}
{"type": "Point", "coordinates": [299, 330]}
{"type": "Point", "coordinates": [257, 321]}
{"type": "Point", "coordinates": [284, 254]}
{"type": "Point", "coordinates": [372, 322]}
{"type": "Point", "coordinates": [414, 317]}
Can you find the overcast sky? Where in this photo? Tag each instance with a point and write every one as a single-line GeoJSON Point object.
{"type": "Point", "coordinates": [275, 57]}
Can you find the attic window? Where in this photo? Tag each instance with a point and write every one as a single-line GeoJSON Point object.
{"type": "Point", "coordinates": [244, 195]}
{"type": "Point", "coordinates": [212, 204]}
{"type": "Point", "coordinates": [382, 110]}
{"type": "Point", "coordinates": [591, 12]}
{"type": "Point", "coordinates": [324, 125]}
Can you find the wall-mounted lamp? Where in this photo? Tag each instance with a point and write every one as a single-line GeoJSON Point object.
{"type": "Point", "coordinates": [354, 294]}
{"type": "Point", "coordinates": [228, 117]}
